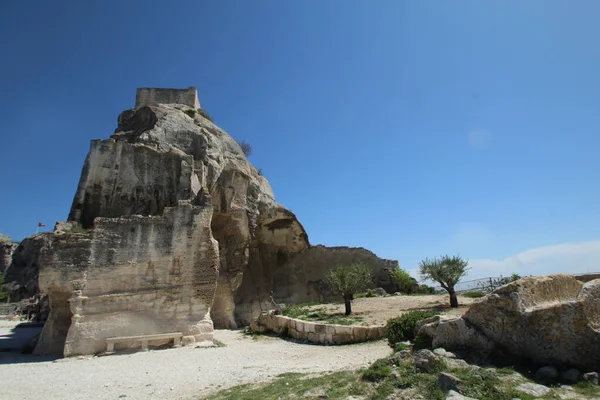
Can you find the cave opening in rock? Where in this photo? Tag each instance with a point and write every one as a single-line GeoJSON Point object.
{"type": "Point", "coordinates": [57, 326]}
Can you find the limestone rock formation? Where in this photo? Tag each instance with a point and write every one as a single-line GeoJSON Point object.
{"type": "Point", "coordinates": [550, 320]}
{"type": "Point", "coordinates": [172, 228]}
{"type": "Point", "coordinates": [132, 275]}
{"type": "Point", "coordinates": [7, 247]}
{"type": "Point", "coordinates": [301, 278]}
{"type": "Point", "coordinates": [21, 276]}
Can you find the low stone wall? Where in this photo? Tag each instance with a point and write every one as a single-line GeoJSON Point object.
{"type": "Point", "coordinates": [315, 332]}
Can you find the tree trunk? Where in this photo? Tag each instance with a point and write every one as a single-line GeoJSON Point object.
{"type": "Point", "coordinates": [348, 304]}
{"type": "Point", "coordinates": [453, 298]}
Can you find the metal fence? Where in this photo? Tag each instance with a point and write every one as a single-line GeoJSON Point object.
{"type": "Point", "coordinates": [491, 283]}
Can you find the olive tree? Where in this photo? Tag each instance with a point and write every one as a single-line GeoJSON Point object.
{"type": "Point", "coordinates": [445, 270]}
{"type": "Point", "coordinates": [347, 280]}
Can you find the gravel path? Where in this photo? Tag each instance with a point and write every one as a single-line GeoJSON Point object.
{"type": "Point", "coordinates": [179, 373]}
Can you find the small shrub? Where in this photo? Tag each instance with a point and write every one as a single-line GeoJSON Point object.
{"type": "Point", "coordinates": [79, 229]}
{"type": "Point", "coordinates": [406, 284]}
{"type": "Point", "coordinates": [190, 113]}
{"type": "Point", "coordinates": [378, 371]}
{"type": "Point", "coordinates": [424, 289]}
{"type": "Point", "coordinates": [474, 295]}
{"type": "Point", "coordinates": [246, 147]}
{"type": "Point", "coordinates": [403, 328]}
{"type": "Point", "coordinates": [369, 293]}
{"type": "Point", "coordinates": [206, 115]}
{"type": "Point", "coordinates": [423, 341]}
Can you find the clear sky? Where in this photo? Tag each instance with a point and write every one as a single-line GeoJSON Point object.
{"type": "Point", "coordinates": [411, 128]}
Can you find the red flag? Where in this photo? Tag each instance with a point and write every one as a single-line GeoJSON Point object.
{"type": "Point", "coordinates": [40, 224]}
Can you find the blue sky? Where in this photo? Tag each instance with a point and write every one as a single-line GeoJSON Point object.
{"type": "Point", "coordinates": [413, 129]}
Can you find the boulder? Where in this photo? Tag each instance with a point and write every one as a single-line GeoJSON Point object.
{"type": "Point", "coordinates": [454, 332]}
{"type": "Point", "coordinates": [591, 377]}
{"type": "Point", "coordinates": [533, 389]}
{"type": "Point", "coordinates": [425, 360]}
{"type": "Point", "coordinates": [549, 319]}
{"type": "Point", "coordinates": [547, 374]}
{"type": "Point", "coordinates": [453, 395]}
{"type": "Point", "coordinates": [21, 275]}
{"type": "Point", "coordinates": [447, 381]}
{"type": "Point", "coordinates": [570, 376]}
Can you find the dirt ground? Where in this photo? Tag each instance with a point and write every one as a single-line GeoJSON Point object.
{"type": "Point", "coordinates": [377, 310]}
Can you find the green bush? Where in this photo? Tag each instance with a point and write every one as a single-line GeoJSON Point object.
{"type": "Point", "coordinates": [378, 371]}
{"type": "Point", "coordinates": [190, 113]}
{"type": "Point", "coordinates": [474, 295]}
{"type": "Point", "coordinates": [406, 284]}
{"type": "Point", "coordinates": [403, 328]}
{"type": "Point", "coordinates": [423, 341]}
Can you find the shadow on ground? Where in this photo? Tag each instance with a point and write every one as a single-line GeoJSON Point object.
{"type": "Point", "coordinates": [14, 338]}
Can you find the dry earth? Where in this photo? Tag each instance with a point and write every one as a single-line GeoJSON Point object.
{"type": "Point", "coordinates": [377, 310]}
{"type": "Point", "coordinates": [192, 373]}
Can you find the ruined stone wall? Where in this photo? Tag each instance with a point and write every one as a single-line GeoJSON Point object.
{"type": "Point", "coordinates": [300, 278]}
{"type": "Point", "coordinates": [316, 332]}
{"type": "Point", "coordinates": [132, 275]}
{"type": "Point", "coordinates": [147, 96]}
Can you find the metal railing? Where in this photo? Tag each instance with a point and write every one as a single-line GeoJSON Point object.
{"type": "Point", "coordinates": [491, 283]}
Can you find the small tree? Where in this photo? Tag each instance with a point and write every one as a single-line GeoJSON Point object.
{"type": "Point", "coordinates": [402, 279]}
{"type": "Point", "coordinates": [246, 148]}
{"type": "Point", "coordinates": [447, 271]}
{"type": "Point", "coordinates": [347, 280]}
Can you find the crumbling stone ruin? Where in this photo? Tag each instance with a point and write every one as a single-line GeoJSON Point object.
{"type": "Point", "coordinates": [171, 230]}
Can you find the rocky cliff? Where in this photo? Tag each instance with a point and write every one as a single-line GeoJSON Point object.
{"type": "Point", "coordinates": [171, 228]}
{"type": "Point", "coordinates": [7, 247]}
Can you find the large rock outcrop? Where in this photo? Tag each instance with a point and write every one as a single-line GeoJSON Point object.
{"type": "Point", "coordinates": [172, 228]}
{"type": "Point", "coordinates": [133, 275]}
{"type": "Point", "coordinates": [21, 276]}
{"type": "Point", "coordinates": [551, 320]}
{"type": "Point", "coordinates": [7, 247]}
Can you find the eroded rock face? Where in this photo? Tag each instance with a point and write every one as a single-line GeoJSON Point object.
{"type": "Point", "coordinates": [21, 276]}
{"type": "Point", "coordinates": [7, 247]}
{"type": "Point", "coordinates": [129, 276]}
{"type": "Point", "coordinates": [301, 277]}
{"type": "Point", "coordinates": [171, 228]}
{"type": "Point", "coordinates": [550, 320]}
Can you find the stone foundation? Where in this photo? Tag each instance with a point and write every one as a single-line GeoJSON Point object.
{"type": "Point", "coordinates": [316, 332]}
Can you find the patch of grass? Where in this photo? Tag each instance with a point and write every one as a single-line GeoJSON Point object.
{"type": "Point", "coordinates": [484, 384]}
{"type": "Point", "coordinates": [250, 333]}
{"type": "Point", "coordinates": [297, 310]}
{"type": "Point", "coordinates": [302, 311]}
{"type": "Point", "coordinates": [378, 371]}
{"type": "Point", "coordinates": [218, 343]}
{"type": "Point", "coordinates": [338, 385]}
{"type": "Point", "coordinates": [474, 294]}
{"type": "Point", "coordinates": [587, 388]}
{"type": "Point", "coordinates": [77, 228]}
